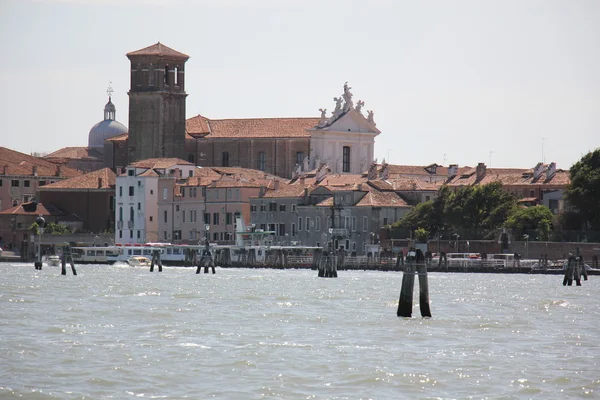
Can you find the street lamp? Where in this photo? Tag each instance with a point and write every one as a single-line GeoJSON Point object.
{"type": "Point", "coordinates": [526, 237]}
{"type": "Point", "coordinates": [206, 229]}
{"type": "Point", "coordinates": [457, 236]}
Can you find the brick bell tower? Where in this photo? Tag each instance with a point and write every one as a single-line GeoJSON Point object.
{"type": "Point", "coordinates": [157, 103]}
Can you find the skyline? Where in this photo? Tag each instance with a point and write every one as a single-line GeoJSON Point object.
{"type": "Point", "coordinates": [505, 83]}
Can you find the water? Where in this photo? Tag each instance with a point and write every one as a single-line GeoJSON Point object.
{"type": "Point", "coordinates": [117, 332]}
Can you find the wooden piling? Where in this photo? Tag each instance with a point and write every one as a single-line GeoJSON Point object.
{"type": "Point", "coordinates": [406, 292]}
{"type": "Point", "coordinates": [423, 286]}
{"type": "Point", "coordinates": [67, 257]}
{"type": "Point", "coordinates": [156, 260]}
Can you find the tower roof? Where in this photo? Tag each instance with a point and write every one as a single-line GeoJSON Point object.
{"type": "Point", "coordinates": [159, 50]}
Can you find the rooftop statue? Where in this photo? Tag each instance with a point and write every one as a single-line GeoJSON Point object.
{"type": "Point", "coordinates": [370, 117]}
{"type": "Point", "coordinates": [348, 104]}
{"type": "Point", "coordinates": [338, 107]}
{"type": "Point", "coordinates": [359, 106]}
{"type": "Point", "coordinates": [323, 120]}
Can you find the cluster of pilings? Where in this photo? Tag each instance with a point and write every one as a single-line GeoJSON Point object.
{"type": "Point", "coordinates": [156, 260]}
{"type": "Point", "coordinates": [575, 268]}
{"type": "Point", "coordinates": [327, 263]}
{"type": "Point", "coordinates": [415, 265]}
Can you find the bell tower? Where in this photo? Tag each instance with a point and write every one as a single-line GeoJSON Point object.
{"type": "Point", "coordinates": [157, 103]}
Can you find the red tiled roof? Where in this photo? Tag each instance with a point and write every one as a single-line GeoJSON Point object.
{"type": "Point", "coordinates": [511, 177]}
{"type": "Point", "coordinates": [15, 163]}
{"type": "Point", "coordinates": [159, 163]}
{"type": "Point", "coordinates": [39, 209]}
{"type": "Point", "coordinates": [200, 126]}
{"type": "Point", "coordinates": [160, 50]}
{"type": "Point", "coordinates": [102, 179]}
{"type": "Point", "coordinates": [74, 153]}
{"type": "Point", "coordinates": [375, 198]}
{"type": "Point", "coordinates": [285, 190]}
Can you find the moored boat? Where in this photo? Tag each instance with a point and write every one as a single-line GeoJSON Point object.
{"type": "Point", "coordinates": [139, 261]}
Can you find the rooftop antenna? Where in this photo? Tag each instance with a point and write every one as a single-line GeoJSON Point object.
{"type": "Point", "coordinates": [543, 158]}
{"type": "Point", "coordinates": [444, 163]}
{"type": "Point", "coordinates": [491, 152]}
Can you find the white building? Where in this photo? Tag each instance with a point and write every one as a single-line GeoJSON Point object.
{"type": "Point", "coordinates": [346, 141]}
{"type": "Point", "coordinates": [136, 197]}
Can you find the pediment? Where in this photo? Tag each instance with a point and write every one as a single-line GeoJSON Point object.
{"type": "Point", "coordinates": [351, 121]}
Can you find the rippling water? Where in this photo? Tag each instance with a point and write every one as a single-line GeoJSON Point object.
{"type": "Point", "coordinates": [120, 332]}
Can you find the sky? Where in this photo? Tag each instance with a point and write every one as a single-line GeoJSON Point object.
{"type": "Point", "coordinates": [509, 83]}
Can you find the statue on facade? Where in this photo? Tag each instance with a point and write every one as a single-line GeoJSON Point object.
{"type": "Point", "coordinates": [338, 107]}
{"type": "Point", "coordinates": [370, 117]}
{"type": "Point", "coordinates": [348, 104]}
{"type": "Point", "coordinates": [323, 120]}
{"type": "Point", "coordinates": [305, 164]}
{"type": "Point", "coordinates": [359, 106]}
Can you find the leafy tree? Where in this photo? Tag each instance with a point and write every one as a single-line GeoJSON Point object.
{"type": "Point", "coordinates": [583, 192]}
{"type": "Point", "coordinates": [421, 235]}
{"type": "Point", "coordinates": [533, 221]}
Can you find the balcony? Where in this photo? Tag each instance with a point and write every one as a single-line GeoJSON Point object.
{"type": "Point", "coordinates": [119, 224]}
{"type": "Point", "coordinates": [130, 224]}
{"type": "Point", "coordinates": [339, 232]}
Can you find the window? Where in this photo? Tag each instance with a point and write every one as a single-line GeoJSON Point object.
{"type": "Point", "coordinates": [166, 237]}
{"type": "Point", "coordinates": [252, 207]}
{"type": "Point", "coordinates": [353, 224]}
{"type": "Point", "coordinates": [130, 234]}
{"type": "Point", "coordinates": [150, 219]}
{"type": "Point", "coordinates": [228, 219]}
{"type": "Point", "coordinates": [217, 194]}
{"type": "Point", "coordinates": [225, 159]}
{"type": "Point", "coordinates": [531, 192]}
{"type": "Point", "coordinates": [427, 198]}
{"type": "Point", "coordinates": [207, 195]}
{"type": "Point", "coordinates": [307, 223]}
{"type": "Point", "coordinates": [120, 190]}
{"type": "Point", "coordinates": [207, 218]}
{"type": "Point", "coordinates": [282, 207]}
{"type": "Point", "coordinates": [190, 174]}
{"type": "Point", "coordinates": [300, 224]}
{"type": "Point", "coordinates": [177, 207]}
{"type": "Point", "coordinates": [130, 172]}
{"type": "Point", "coordinates": [131, 190]}
{"type": "Point", "coordinates": [346, 159]}
{"type": "Point", "coordinates": [111, 203]}
{"type": "Point", "coordinates": [165, 215]}
{"type": "Point", "coordinates": [294, 230]}
{"type": "Point", "coordinates": [263, 227]}
{"type": "Point", "coordinates": [182, 215]}
{"type": "Point", "coordinates": [191, 158]}
{"type": "Point", "coordinates": [272, 207]}
{"type": "Point", "coordinates": [120, 213]}
{"type": "Point", "coordinates": [216, 236]}
{"type": "Point", "coordinates": [318, 224]}
{"type": "Point", "coordinates": [42, 183]}
{"type": "Point", "coordinates": [293, 208]}
{"type": "Point", "coordinates": [229, 193]}
{"type": "Point", "coordinates": [261, 161]}
{"type": "Point", "coordinates": [138, 234]}
{"type": "Point", "coordinates": [365, 224]}
{"type": "Point", "coordinates": [237, 194]}
{"type": "Point", "coordinates": [215, 218]}
{"type": "Point", "coordinates": [139, 206]}
{"type": "Point", "coordinates": [131, 214]}
{"type": "Point", "coordinates": [26, 183]}
{"type": "Point", "coordinates": [263, 207]}
{"type": "Point", "coordinates": [281, 229]}
{"type": "Point", "coordinates": [14, 183]}
{"type": "Point", "coordinates": [151, 191]}
{"type": "Point", "coordinates": [120, 234]}
{"type": "Point", "coordinates": [139, 183]}
{"type": "Point", "coordinates": [299, 157]}
{"type": "Point", "coordinates": [385, 221]}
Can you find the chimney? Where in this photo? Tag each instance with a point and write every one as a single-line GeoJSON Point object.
{"type": "Point", "coordinates": [551, 171]}
{"type": "Point", "coordinates": [372, 172]}
{"type": "Point", "coordinates": [99, 183]}
{"type": "Point", "coordinates": [276, 184]}
{"type": "Point", "coordinates": [261, 191]}
{"type": "Point", "coordinates": [452, 170]}
{"type": "Point", "coordinates": [34, 170]}
{"type": "Point", "coordinates": [5, 170]}
{"type": "Point", "coordinates": [481, 168]}
{"type": "Point", "coordinates": [537, 170]}
{"type": "Point", "coordinates": [302, 180]}
{"type": "Point", "coordinates": [59, 170]}
{"type": "Point", "coordinates": [359, 187]}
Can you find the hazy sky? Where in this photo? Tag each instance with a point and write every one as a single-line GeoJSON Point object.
{"type": "Point", "coordinates": [449, 81]}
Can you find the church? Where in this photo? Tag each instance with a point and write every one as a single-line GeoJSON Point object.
{"type": "Point", "coordinates": [343, 141]}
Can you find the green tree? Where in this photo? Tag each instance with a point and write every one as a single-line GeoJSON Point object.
{"type": "Point", "coordinates": [533, 221]}
{"type": "Point", "coordinates": [583, 192]}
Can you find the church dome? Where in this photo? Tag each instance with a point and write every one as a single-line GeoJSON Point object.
{"type": "Point", "coordinates": [106, 129]}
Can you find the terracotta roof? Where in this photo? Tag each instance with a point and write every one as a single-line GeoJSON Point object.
{"type": "Point", "coordinates": [375, 198]}
{"type": "Point", "coordinates": [159, 163]}
{"type": "Point", "coordinates": [412, 185]}
{"type": "Point", "coordinates": [35, 209]}
{"type": "Point", "coordinates": [160, 50]}
{"type": "Point", "coordinates": [511, 177]}
{"type": "Point", "coordinates": [15, 163]}
{"type": "Point", "coordinates": [339, 180]}
{"type": "Point", "coordinates": [149, 172]}
{"type": "Point", "coordinates": [74, 153]}
{"type": "Point", "coordinates": [119, 138]}
{"type": "Point", "coordinates": [285, 190]}
{"type": "Point", "coordinates": [102, 179]}
{"type": "Point", "coordinates": [200, 126]}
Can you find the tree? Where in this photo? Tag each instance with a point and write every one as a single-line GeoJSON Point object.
{"type": "Point", "coordinates": [583, 192]}
{"type": "Point", "coordinates": [533, 221]}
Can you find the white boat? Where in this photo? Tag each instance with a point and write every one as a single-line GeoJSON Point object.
{"type": "Point", "coordinates": [139, 261]}
{"type": "Point", "coordinates": [53, 260]}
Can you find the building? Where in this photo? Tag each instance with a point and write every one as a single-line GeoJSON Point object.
{"type": "Point", "coordinates": [156, 103]}
{"type": "Point", "coordinates": [137, 197]}
{"type": "Point", "coordinates": [93, 157]}
{"type": "Point", "coordinates": [21, 175]}
{"type": "Point", "coordinates": [91, 197]}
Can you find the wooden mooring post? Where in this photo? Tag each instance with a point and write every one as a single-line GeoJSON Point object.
{"type": "Point", "coordinates": [415, 264]}
{"type": "Point", "coordinates": [574, 270]}
{"type": "Point", "coordinates": [206, 260]}
{"type": "Point", "coordinates": [328, 265]}
{"type": "Point", "coordinates": [67, 256]}
{"type": "Point", "coordinates": [156, 260]}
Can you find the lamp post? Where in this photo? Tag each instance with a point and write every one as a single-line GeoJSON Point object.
{"type": "Point", "coordinates": [526, 237]}
{"type": "Point", "coordinates": [41, 222]}
{"type": "Point", "coordinates": [457, 236]}
{"type": "Point", "coordinates": [206, 229]}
